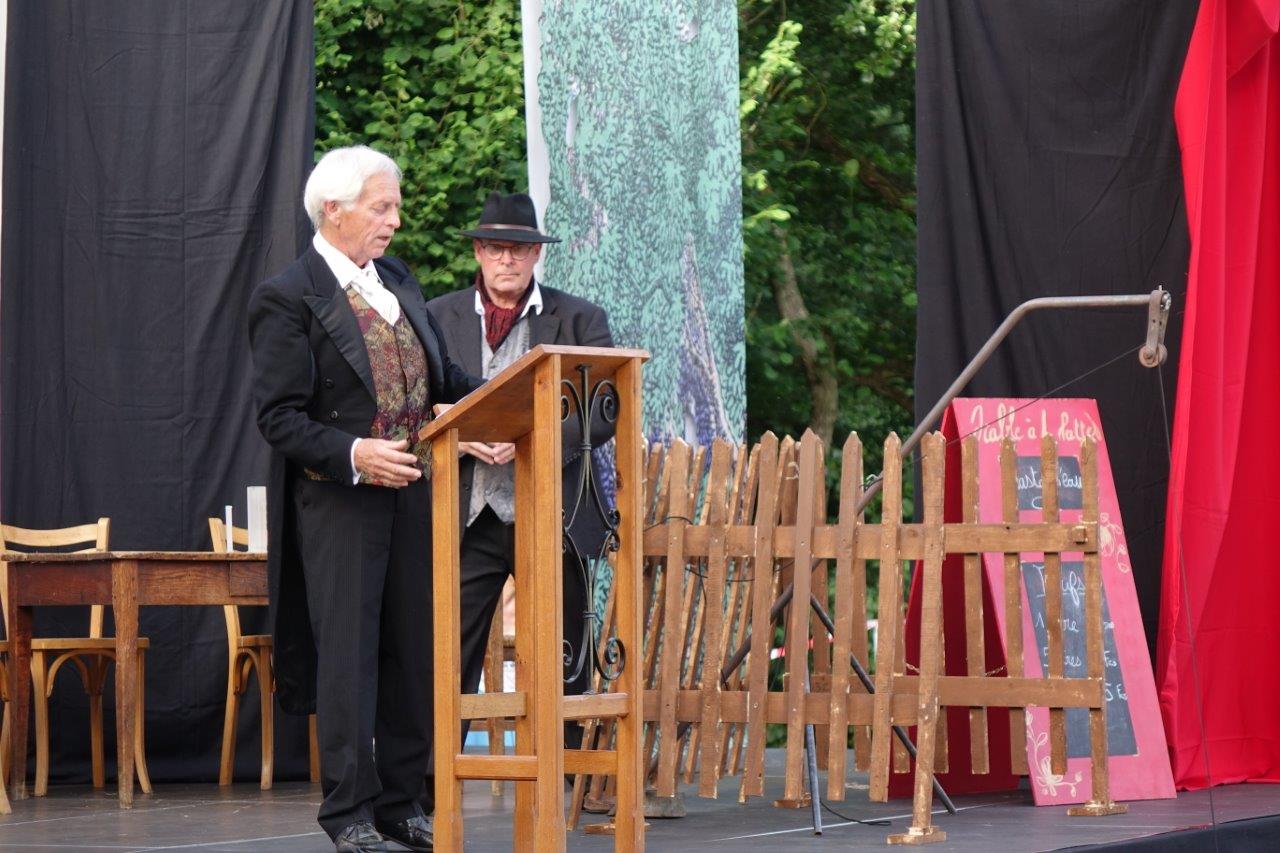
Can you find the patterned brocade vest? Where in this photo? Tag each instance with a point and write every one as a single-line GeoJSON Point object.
{"type": "Point", "coordinates": [399, 368]}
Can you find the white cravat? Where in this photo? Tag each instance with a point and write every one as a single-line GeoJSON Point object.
{"type": "Point", "coordinates": [364, 279]}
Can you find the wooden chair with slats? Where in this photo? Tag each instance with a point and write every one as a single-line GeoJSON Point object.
{"type": "Point", "coordinates": [91, 656]}
{"type": "Point", "coordinates": [248, 654]}
{"type": "Point", "coordinates": [499, 648]}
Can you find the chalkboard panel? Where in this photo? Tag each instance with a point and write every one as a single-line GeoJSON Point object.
{"type": "Point", "coordinates": [1120, 739]}
{"type": "Point", "coordinates": [1070, 483]}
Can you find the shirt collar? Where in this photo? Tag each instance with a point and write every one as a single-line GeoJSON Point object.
{"type": "Point", "coordinates": [344, 269]}
{"type": "Point", "coordinates": [534, 303]}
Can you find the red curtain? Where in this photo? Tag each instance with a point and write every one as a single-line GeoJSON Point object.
{"type": "Point", "coordinates": [1219, 640]}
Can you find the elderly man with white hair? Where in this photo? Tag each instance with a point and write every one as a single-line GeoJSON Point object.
{"type": "Point", "coordinates": [347, 362]}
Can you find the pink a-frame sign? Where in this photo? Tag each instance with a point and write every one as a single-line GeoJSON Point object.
{"type": "Point", "coordinates": [1138, 755]}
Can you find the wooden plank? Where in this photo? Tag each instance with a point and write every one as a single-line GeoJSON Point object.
{"type": "Point", "coordinates": [797, 658]}
{"type": "Point", "coordinates": [761, 630]}
{"type": "Point", "coordinates": [1100, 775]}
{"type": "Point", "coordinates": [628, 776]}
{"type": "Point", "coordinates": [487, 706]}
{"type": "Point", "coordinates": [526, 599]}
{"type": "Point", "coordinates": [597, 730]}
{"type": "Point", "coordinates": [934, 453]}
{"type": "Point", "coordinates": [694, 615]}
{"type": "Point", "coordinates": [975, 647]}
{"type": "Point", "coordinates": [594, 706]}
{"type": "Point", "coordinates": [652, 680]}
{"type": "Point", "coordinates": [655, 597]}
{"type": "Point", "coordinates": [547, 565]}
{"type": "Point", "coordinates": [447, 653]}
{"type": "Point", "coordinates": [247, 580]}
{"type": "Point", "coordinates": [742, 588]}
{"type": "Point", "coordinates": [495, 726]}
{"type": "Point", "coordinates": [594, 761]}
{"type": "Point", "coordinates": [850, 607]}
{"type": "Point", "coordinates": [521, 768]}
{"type": "Point", "coordinates": [960, 539]}
{"type": "Point", "coordinates": [961, 690]}
{"type": "Point", "coordinates": [1053, 603]}
{"type": "Point", "coordinates": [124, 609]}
{"type": "Point", "coordinates": [713, 622]}
{"type": "Point", "coordinates": [672, 617]}
{"type": "Point", "coordinates": [732, 610]}
{"type": "Point", "coordinates": [820, 669]}
{"type": "Point", "coordinates": [1013, 606]}
{"type": "Point", "coordinates": [735, 705]}
{"type": "Point", "coordinates": [149, 557]}
{"type": "Point", "coordinates": [887, 639]}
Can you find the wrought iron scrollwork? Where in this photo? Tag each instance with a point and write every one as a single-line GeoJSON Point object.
{"type": "Point", "coordinates": [586, 402]}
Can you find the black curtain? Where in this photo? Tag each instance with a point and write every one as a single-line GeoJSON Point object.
{"type": "Point", "coordinates": [154, 158]}
{"type": "Point", "coordinates": [1049, 165]}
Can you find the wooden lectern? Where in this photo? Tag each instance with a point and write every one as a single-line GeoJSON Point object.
{"type": "Point", "coordinates": [526, 404]}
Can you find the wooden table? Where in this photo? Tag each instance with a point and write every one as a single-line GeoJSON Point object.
{"type": "Point", "coordinates": [124, 580]}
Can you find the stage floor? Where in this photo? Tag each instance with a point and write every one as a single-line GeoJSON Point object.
{"type": "Point", "coordinates": [243, 818]}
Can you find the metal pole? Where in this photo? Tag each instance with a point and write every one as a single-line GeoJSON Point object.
{"type": "Point", "coordinates": [811, 753]}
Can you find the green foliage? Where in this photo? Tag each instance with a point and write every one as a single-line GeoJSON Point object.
{"type": "Point", "coordinates": [438, 86]}
{"type": "Point", "coordinates": [827, 123]}
{"type": "Point", "coordinates": [829, 183]}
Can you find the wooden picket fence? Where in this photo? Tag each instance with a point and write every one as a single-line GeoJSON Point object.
{"type": "Point", "coordinates": [727, 531]}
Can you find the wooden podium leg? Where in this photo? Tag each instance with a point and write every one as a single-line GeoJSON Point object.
{"type": "Point", "coordinates": [629, 820]}
{"type": "Point", "coordinates": [446, 589]}
{"type": "Point", "coordinates": [526, 611]}
{"type": "Point", "coordinates": [548, 688]}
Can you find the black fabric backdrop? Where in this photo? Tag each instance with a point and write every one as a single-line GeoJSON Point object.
{"type": "Point", "coordinates": [1049, 165]}
{"type": "Point", "coordinates": [154, 158]}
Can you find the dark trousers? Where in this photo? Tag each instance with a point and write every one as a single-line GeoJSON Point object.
{"type": "Point", "coordinates": [366, 557]}
{"type": "Point", "coordinates": [487, 557]}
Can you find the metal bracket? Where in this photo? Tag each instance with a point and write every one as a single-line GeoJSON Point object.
{"type": "Point", "coordinates": [1153, 353]}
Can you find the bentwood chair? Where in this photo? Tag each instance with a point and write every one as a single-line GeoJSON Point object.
{"type": "Point", "coordinates": [248, 654]}
{"type": "Point", "coordinates": [91, 656]}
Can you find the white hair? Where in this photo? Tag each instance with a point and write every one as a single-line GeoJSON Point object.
{"type": "Point", "coordinates": [340, 176]}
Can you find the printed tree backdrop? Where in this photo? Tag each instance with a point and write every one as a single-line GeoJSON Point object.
{"type": "Point", "coordinates": [825, 94]}
{"type": "Point", "coordinates": [639, 115]}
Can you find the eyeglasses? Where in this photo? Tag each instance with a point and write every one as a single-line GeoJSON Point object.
{"type": "Point", "coordinates": [519, 251]}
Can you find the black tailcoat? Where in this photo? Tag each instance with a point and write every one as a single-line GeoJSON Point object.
{"type": "Point", "coordinates": [313, 389]}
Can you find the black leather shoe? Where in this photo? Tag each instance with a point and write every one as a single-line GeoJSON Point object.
{"type": "Point", "coordinates": [414, 833]}
{"type": "Point", "coordinates": [361, 837]}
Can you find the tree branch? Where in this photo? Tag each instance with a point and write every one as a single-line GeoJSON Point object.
{"type": "Point", "coordinates": [815, 358]}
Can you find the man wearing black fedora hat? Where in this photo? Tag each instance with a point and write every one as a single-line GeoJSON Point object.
{"type": "Point", "coordinates": [488, 326]}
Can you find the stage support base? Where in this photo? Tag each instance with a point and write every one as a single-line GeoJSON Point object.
{"type": "Point", "coordinates": [1095, 809]}
{"type": "Point", "coordinates": [919, 835]}
{"type": "Point", "coordinates": [802, 802]}
{"type": "Point", "coordinates": [664, 807]}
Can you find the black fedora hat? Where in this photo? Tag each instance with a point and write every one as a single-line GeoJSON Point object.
{"type": "Point", "coordinates": [511, 218]}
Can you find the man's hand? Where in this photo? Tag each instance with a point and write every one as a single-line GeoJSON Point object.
{"type": "Point", "coordinates": [386, 462]}
{"type": "Point", "coordinates": [498, 453]}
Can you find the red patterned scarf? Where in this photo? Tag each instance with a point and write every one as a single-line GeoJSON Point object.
{"type": "Point", "coordinates": [499, 321]}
